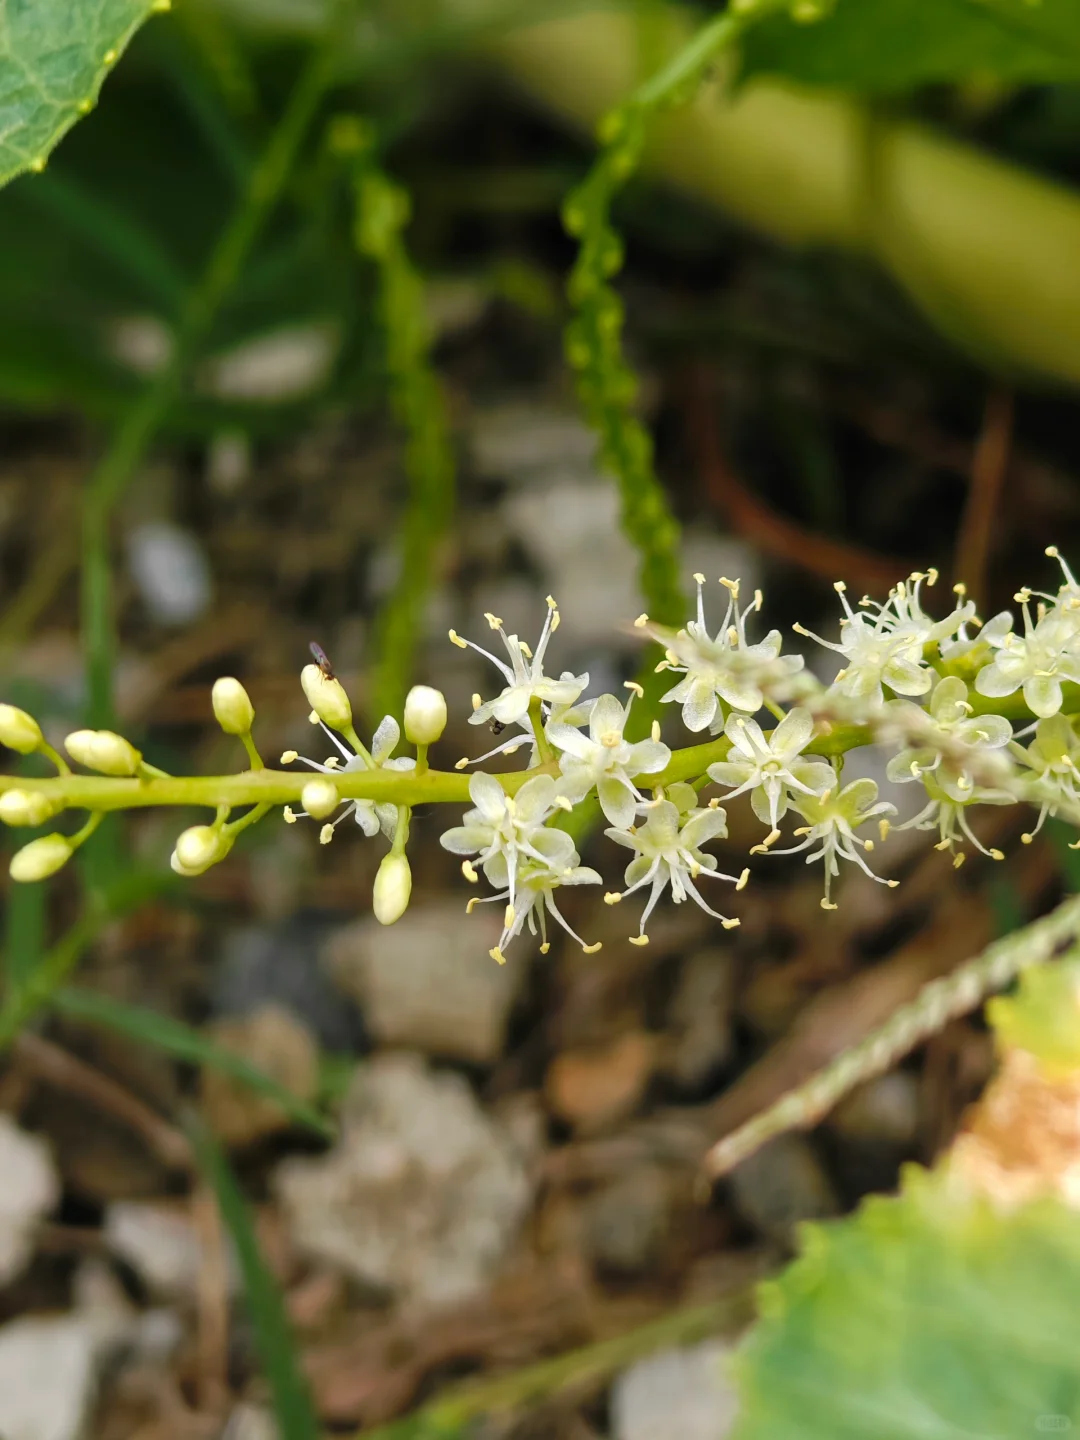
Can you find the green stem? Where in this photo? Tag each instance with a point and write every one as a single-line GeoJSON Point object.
{"type": "Point", "coordinates": [142, 422]}
{"type": "Point", "coordinates": [253, 755]}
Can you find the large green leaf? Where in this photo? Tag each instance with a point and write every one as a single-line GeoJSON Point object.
{"type": "Point", "coordinates": [893, 45]}
{"type": "Point", "coordinates": [924, 1317]}
{"type": "Point", "coordinates": [54, 55]}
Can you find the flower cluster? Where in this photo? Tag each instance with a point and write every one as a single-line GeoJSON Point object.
{"type": "Point", "coordinates": [971, 714]}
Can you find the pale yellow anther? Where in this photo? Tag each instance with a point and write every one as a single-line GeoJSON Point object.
{"type": "Point", "coordinates": [732, 924]}
{"type": "Point", "coordinates": [326, 834]}
{"type": "Point", "coordinates": [332, 762]}
{"type": "Point", "coordinates": [892, 884]}
{"type": "Point", "coordinates": [654, 731]}
{"type": "Point", "coordinates": [730, 585]}
{"type": "Point", "coordinates": [661, 667]}
{"type": "Point", "coordinates": [883, 830]}
{"type": "Point", "coordinates": [868, 845]}
{"type": "Point", "coordinates": [562, 803]}
{"type": "Point", "coordinates": [455, 639]}
{"type": "Point", "coordinates": [472, 904]}
{"type": "Point", "coordinates": [1052, 551]}
{"type": "Point", "coordinates": [477, 701]}
{"type": "Point", "coordinates": [313, 718]}
{"type": "Point", "coordinates": [740, 883]}
{"type": "Point", "coordinates": [525, 650]}
{"type": "Point", "coordinates": [497, 955]}
{"type": "Point", "coordinates": [699, 577]}
{"type": "Point", "coordinates": [556, 621]}
{"type": "Point", "coordinates": [494, 622]}
{"type": "Point", "coordinates": [1027, 839]}
{"type": "Point", "coordinates": [612, 897]}
{"type": "Point", "coordinates": [468, 869]}
{"type": "Point", "coordinates": [960, 589]}
{"type": "Point", "coordinates": [551, 602]}
{"type": "Point", "coordinates": [288, 756]}
{"type": "Point", "coordinates": [639, 690]}
{"type": "Point", "coordinates": [545, 947]}
{"type": "Point", "coordinates": [641, 621]}
{"type": "Point", "coordinates": [828, 905]}
{"type": "Point", "coordinates": [592, 949]}
{"type": "Point", "coordinates": [460, 764]}
{"type": "Point", "coordinates": [997, 854]}
{"type": "Point", "coordinates": [958, 860]}
{"type": "Point", "coordinates": [289, 815]}
{"type": "Point", "coordinates": [839, 587]}
{"type": "Point", "coordinates": [931, 576]}
{"type": "Point", "coordinates": [639, 939]}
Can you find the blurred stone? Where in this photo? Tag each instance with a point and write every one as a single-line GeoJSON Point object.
{"type": "Point", "coordinates": [422, 1195]}
{"type": "Point", "coordinates": [428, 982]}
{"type": "Point", "coordinates": [170, 571]}
{"type": "Point", "coordinates": [279, 1045]}
{"type": "Point", "coordinates": [593, 1088]}
{"type": "Point", "coordinates": [285, 364]}
{"type": "Point", "coordinates": [515, 441]}
{"type": "Point", "coordinates": [250, 1422]}
{"type": "Point", "coordinates": [158, 1239]}
{"type": "Point", "coordinates": [680, 1394]}
{"type": "Point", "coordinates": [143, 343]}
{"type": "Point", "coordinates": [884, 1110]}
{"type": "Point", "coordinates": [700, 1018]}
{"type": "Point", "coordinates": [626, 1223]}
{"type": "Point", "coordinates": [228, 461]}
{"type": "Point", "coordinates": [30, 1189]}
{"type": "Point", "coordinates": [47, 1378]}
{"type": "Point", "coordinates": [281, 963]}
{"type": "Point", "coordinates": [782, 1185]}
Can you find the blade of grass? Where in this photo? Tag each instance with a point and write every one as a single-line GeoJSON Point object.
{"type": "Point", "coordinates": [184, 1043]}
{"type": "Point", "coordinates": [292, 1404]}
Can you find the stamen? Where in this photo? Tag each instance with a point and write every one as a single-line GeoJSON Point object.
{"type": "Point", "coordinates": [288, 756]}
{"type": "Point", "coordinates": [638, 939]}
{"type": "Point", "coordinates": [455, 639]}
{"type": "Point", "coordinates": [326, 834]}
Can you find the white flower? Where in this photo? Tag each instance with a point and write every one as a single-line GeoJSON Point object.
{"type": "Point", "coordinates": [886, 647]}
{"type": "Point", "coordinates": [1038, 661]}
{"type": "Point", "coordinates": [371, 817]}
{"type": "Point", "coordinates": [669, 853]}
{"type": "Point", "coordinates": [948, 816]}
{"type": "Point", "coordinates": [770, 768]}
{"type": "Point", "coordinates": [1067, 600]}
{"type": "Point", "coordinates": [1053, 758]}
{"type": "Point", "coordinates": [520, 854]}
{"type": "Point", "coordinates": [832, 819]}
{"type": "Point", "coordinates": [725, 667]}
{"type": "Point", "coordinates": [604, 759]}
{"type": "Point", "coordinates": [525, 678]}
{"type": "Point", "coordinates": [947, 739]}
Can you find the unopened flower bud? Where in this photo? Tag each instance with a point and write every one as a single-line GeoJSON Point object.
{"type": "Point", "coordinates": [425, 715]}
{"type": "Point", "coordinates": [320, 798]}
{"type": "Point", "coordinates": [18, 730]}
{"type": "Point", "coordinates": [233, 709]}
{"type": "Point", "coordinates": [327, 698]}
{"type": "Point", "coordinates": [197, 849]}
{"type": "Point", "coordinates": [40, 859]}
{"type": "Point", "coordinates": [26, 807]}
{"type": "Point", "coordinates": [393, 886]}
{"type": "Point", "coordinates": [103, 751]}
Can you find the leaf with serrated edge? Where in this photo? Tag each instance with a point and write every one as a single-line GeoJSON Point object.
{"type": "Point", "coordinates": [54, 56]}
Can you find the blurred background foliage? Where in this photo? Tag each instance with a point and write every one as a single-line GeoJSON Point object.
{"type": "Point", "coordinates": [852, 296]}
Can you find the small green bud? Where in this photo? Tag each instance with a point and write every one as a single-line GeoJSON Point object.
{"type": "Point", "coordinates": [103, 751]}
{"type": "Point", "coordinates": [393, 886]}
{"type": "Point", "coordinates": [327, 698]}
{"type": "Point", "coordinates": [320, 798]}
{"type": "Point", "coordinates": [18, 730]}
{"type": "Point", "coordinates": [26, 807]}
{"type": "Point", "coordinates": [40, 859]}
{"type": "Point", "coordinates": [197, 849]}
{"type": "Point", "coordinates": [232, 706]}
{"type": "Point", "coordinates": [425, 715]}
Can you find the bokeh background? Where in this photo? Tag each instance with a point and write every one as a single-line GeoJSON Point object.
{"type": "Point", "coordinates": [854, 311]}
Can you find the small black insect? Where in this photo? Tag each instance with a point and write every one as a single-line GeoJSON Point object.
{"type": "Point", "coordinates": [496, 726]}
{"type": "Point", "coordinates": [323, 661]}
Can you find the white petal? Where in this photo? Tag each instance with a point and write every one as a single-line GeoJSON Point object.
{"type": "Point", "coordinates": [385, 739]}
{"type": "Point", "coordinates": [616, 802]}
{"type": "Point", "coordinates": [463, 839]}
{"type": "Point", "coordinates": [488, 796]}
{"type": "Point", "coordinates": [793, 733]}
{"type": "Point", "coordinates": [699, 707]}
{"type": "Point", "coordinates": [1042, 695]}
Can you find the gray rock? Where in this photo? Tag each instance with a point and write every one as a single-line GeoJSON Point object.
{"type": "Point", "coordinates": [30, 1189]}
{"type": "Point", "coordinates": [782, 1185]}
{"type": "Point", "coordinates": [626, 1222]}
{"type": "Point", "coordinates": [677, 1395]}
{"type": "Point", "coordinates": [280, 964]}
{"type": "Point", "coordinates": [48, 1377]}
{"type": "Point", "coordinates": [170, 571]}
{"type": "Point", "coordinates": [423, 1194]}
{"type": "Point", "coordinates": [699, 1017]}
{"type": "Point", "coordinates": [428, 982]}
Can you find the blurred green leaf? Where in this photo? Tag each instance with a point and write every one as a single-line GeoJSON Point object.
{"type": "Point", "coordinates": [273, 1337]}
{"type": "Point", "coordinates": [181, 1041]}
{"type": "Point", "coordinates": [926, 1316]}
{"type": "Point", "coordinates": [894, 45]}
{"type": "Point", "coordinates": [54, 55]}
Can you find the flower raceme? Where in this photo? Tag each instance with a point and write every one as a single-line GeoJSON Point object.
{"type": "Point", "coordinates": [971, 714]}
